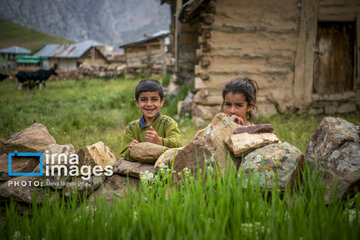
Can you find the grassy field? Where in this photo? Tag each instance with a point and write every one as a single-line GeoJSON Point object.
{"type": "Point", "coordinates": [15, 34]}
{"type": "Point", "coordinates": [84, 112]}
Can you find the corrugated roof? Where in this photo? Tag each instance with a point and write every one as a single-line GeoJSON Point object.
{"type": "Point", "coordinates": [16, 50]}
{"type": "Point", "coordinates": [67, 50]}
{"type": "Point", "coordinates": [162, 33]}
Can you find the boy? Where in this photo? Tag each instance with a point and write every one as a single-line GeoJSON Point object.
{"type": "Point", "coordinates": [152, 126]}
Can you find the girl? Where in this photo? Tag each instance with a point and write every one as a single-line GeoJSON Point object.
{"type": "Point", "coordinates": [239, 100]}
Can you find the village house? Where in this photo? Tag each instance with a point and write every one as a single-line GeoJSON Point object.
{"type": "Point", "coordinates": [147, 56]}
{"type": "Point", "coordinates": [304, 54]}
{"type": "Point", "coordinates": [11, 54]}
{"type": "Point", "coordinates": [70, 56]}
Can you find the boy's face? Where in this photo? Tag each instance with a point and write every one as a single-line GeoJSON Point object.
{"type": "Point", "coordinates": [149, 104]}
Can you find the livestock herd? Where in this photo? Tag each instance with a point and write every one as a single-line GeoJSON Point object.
{"type": "Point", "coordinates": [31, 79]}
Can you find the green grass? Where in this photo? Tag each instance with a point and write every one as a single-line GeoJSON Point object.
{"type": "Point", "coordinates": [15, 34]}
{"type": "Point", "coordinates": [211, 207]}
{"type": "Point", "coordinates": [87, 111]}
{"type": "Point", "coordinates": [79, 112]}
{"type": "Point", "coordinates": [84, 112]}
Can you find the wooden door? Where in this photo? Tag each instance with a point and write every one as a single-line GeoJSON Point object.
{"type": "Point", "coordinates": [334, 61]}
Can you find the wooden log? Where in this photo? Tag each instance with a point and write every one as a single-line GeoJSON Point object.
{"type": "Point", "coordinates": [207, 18]}
{"type": "Point", "coordinates": [203, 75]}
{"type": "Point", "coordinates": [206, 47]}
{"type": "Point", "coordinates": [206, 33]}
{"type": "Point", "coordinates": [205, 62]}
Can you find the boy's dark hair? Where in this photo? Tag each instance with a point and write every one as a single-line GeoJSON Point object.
{"type": "Point", "coordinates": [149, 85]}
{"type": "Point", "coordinates": [245, 86]}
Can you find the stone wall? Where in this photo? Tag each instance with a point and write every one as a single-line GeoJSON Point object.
{"type": "Point", "coordinates": [91, 71]}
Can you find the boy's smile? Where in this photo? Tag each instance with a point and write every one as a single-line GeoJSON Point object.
{"type": "Point", "coordinates": [149, 104]}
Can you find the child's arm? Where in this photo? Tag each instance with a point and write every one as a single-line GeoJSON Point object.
{"type": "Point", "coordinates": [127, 140]}
{"type": "Point", "coordinates": [172, 133]}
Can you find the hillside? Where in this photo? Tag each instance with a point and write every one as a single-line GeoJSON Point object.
{"type": "Point", "coordinates": [112, 22]}
{"type": "Point", "coordinates": [14, 34]}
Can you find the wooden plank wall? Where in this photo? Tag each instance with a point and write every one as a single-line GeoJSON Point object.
{"type": "Point", "coordinates": [251, 38]}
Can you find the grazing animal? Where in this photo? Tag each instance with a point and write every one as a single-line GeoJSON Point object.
{"type": "Point", "coordinates": [3, 76]}
{"type": "Point", "coordinates": [29, 79]}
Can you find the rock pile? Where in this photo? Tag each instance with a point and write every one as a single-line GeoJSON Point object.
{"type": "Point", "coordinates": [63, 168]}
{"type": "Point", "coordinates": [334, 150]}
{"type": "Point", "coordinates": [86, 70]}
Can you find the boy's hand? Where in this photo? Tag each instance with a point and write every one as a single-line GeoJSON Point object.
{"type": "Point", "coordinates": [237, 119]}
{"type": "Point", "coordinates": [133, 143]}
{"type": "Point", "coordinates": [153, 137]}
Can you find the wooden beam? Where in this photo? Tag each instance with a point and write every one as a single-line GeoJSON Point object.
{"type": "Point", "coordinates": [304, 62]}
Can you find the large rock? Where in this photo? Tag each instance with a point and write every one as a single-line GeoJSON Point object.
{"type": "Point", "coordinates": [56, 155]}
{"type": "Point", "coordinates": [208, 146]}
{"type": "Point", "coordinates": [2, 144]}
{"type": "Point", "coordinates": [335, 146]}
{"type": "Point", "coordinates": [81, 185]}
{"type": "Point", "coordinates": [35, 138]}
{"type": "Point", "coordinates": [115, 185]}
{"type": "Point", "coordinates": [167, 157]}
{"type": "Point", "coordinates": [280, 161]}
{"type": "Point", "coordinates": [24, 188]}
{"type": "Point", "coordinates": [147, 152]}
{"type": "Point", "coordinates": [96, 154]}
{"type": "Point", "coordinates": [133, 169]}
{"type": "Point", "coordinates": [241, 144]}
{"type": "Point", "coordinates": [18, 165]}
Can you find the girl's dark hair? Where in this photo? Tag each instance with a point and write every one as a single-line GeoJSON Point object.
{"type": "Point", "coordinates": [149, 85]}
{"type": "Point", "coordinates": [245, 86]}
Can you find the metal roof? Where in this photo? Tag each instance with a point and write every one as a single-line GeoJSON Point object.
{"type": "Point", "coordinates": [16, 50]}
{"type": "Point", "coordinates": [162, 33]}
{"type": "Point", "coordinates": [67, 50]}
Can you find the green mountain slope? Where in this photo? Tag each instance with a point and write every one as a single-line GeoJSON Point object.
{"type": "Point", "coordinates": [13, 34]}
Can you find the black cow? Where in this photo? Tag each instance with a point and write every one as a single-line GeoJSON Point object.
{"type": "Point", "coordinates": [30, 79]}
{"type": "Point", "coordinates": [3, 76]}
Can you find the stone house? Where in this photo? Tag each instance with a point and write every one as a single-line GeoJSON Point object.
{"type": "Point", "coordinates": [11, 54]}
{"type": "Point", "coordinates": [70, 56]}
{"type": "Point", "coordinates": [304, 54]}
{"type": "Point", "coordinates": [148, 55]}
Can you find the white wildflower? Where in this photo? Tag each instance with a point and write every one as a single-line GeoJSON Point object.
{"type": "Point", "coordinates": [146, 178]}
{"type": "Point", "coordinates": [351, 214]}
{"type": "Point", "coordinates": [17, 235]}
{"type": "Point", "coordinates": [252, 229]}
{"type": "Point", "coordinates": [164, 170]}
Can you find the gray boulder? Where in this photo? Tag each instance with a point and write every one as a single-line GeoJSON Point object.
{"type": "Point", "coordinates": [334, 150]}
{"type": "Point", "coordinates": [279, 162]}
{"type": "Point", "coordinates": [147, 152]}
{"type": "Point", "coordinates": [18, 165]}
{"type": "Point", "coordinates": [133, 169]}
{"type": "Point", "coordinates": [208, 146]}
{"type": "Point", "coordinates": [35, 138]}
{"type": "Point", "coordinates": [24, 188]}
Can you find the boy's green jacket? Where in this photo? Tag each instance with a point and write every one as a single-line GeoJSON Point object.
{"type": "Point", "coordinates": [165, 127]}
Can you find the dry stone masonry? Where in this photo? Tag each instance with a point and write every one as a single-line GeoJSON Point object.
{"type": "Point", "coordinates": [334, 150]}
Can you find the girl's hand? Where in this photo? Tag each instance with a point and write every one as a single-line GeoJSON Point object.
{"type": "Point", "coordinates": [153, 137]}
{"type": "Point", "coordinates": [237, 119]}
{"type": "Point", "coordinates": [133, 143]}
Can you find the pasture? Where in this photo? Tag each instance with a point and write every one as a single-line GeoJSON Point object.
{"type": "Point", "coordinates": [88, 111]}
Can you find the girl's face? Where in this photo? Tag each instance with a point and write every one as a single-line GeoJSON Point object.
{"type": "Point", "coordinates": [236, 104]}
